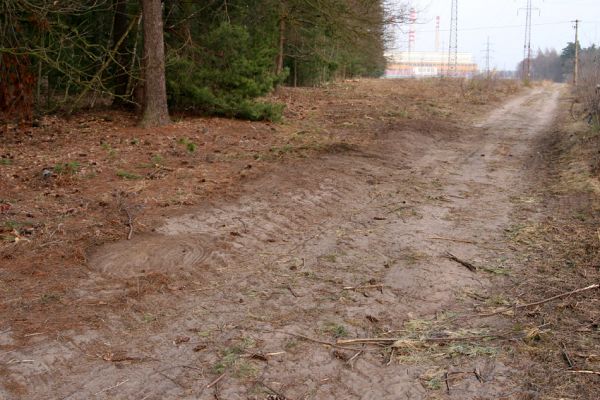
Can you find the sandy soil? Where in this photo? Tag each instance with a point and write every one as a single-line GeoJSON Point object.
{"type": "Point", "coordinates": [245, 298]}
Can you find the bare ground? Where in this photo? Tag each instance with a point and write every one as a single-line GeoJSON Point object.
{"type": "Point", "coordinates": [246, 297]}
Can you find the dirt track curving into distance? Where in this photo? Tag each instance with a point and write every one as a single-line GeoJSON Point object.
{"type": "Point", "coordinates": [350, 244]}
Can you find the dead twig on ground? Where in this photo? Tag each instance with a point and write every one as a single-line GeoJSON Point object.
{"type": "Point", "coordinates": [289, 287]}
{"type": "Point", "coordinates": [111, 387]}
{"type": "Point", "coordinates": [111, 357]}
{"type": "Point", "coordinates": [130, 211]}
{"type": "Point", "coordinates": [391, 357]}
{"type": "Point", "coordinates": [357, 288]}
{"type": "Point", "coordinates": [464, 263]}
{"type": "Point", "coordinates": [309, 339]}
{"type": "Point", "coordinates": [565, 354]}
{"type": "Point", "coordinates": [451, 240]}
{"type": "Point", "coordinates": [280, 396]}
{"type": "Point", "coordinates": [354, 357]}
{"type": "Point", "coordinates": [579, 371]}
{"type": "Point", "coordinates": [392, 341]}
{"type": "Point", "coordinates": [214, 382]}
{"type": "Point", "coordinates": [537, 303]}
{"type": "Point", "coordinates": [129, 223]}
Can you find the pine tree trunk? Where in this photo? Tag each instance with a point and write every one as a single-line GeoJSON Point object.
{"type": "Point", "coordinates": [155, 110]}
{"type": "Point", "coordinates": [279, 68]}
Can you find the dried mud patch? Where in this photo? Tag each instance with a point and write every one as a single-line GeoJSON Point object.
{"type": "Point", "coordinates": [150, 253]}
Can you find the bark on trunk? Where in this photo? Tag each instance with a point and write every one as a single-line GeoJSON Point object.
{"type": "Point", "coordinates": [155, 110]}
{"type": "Point", "coordinates": [279, 68]}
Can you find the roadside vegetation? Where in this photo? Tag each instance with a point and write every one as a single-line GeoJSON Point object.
{"type": "Point", "coordinates": [559, 250]}
{"type": "Point", "coordinates": [215, 58]}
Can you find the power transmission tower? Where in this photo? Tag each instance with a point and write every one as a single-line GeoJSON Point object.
{"type": "Point", "coordinates": [437, 33]}
{"type": "Point", "coordinates": [576, 71]}
{"type": "Point", "coordinates": [527, 45]}
{"type": "Point", "coordinates": [488, 51]}
{"type": "Point", "coordinates": [453, 46]}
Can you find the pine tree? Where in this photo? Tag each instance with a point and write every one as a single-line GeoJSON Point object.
{"type": "Point", "coordinates": [155, 111]}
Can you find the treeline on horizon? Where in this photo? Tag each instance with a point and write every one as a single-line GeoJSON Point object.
{"type": "Point", "coordinates": [551, 65]}
{"type": "Point", "coordinates": [219, 55]}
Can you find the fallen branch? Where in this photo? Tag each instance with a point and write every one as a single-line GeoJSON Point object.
{"type": "Point", "coordinates": [537, 303]}
{"type": "Point", "coordinates": [391, 357]}
{"type": "Point", "coordinates": [289, 287]}
{"type": "Point", "coordinates": [382, 341]}
{"type": "Point", "coordinates": [129, 223]}
{"type": "Point", "coordinates": [213, 383]}
{"type": "Point", "coordinates": [565, 354]}
{"type": "Point", "coordinates": [131, 212]}
{"type": "Point", "coordinates": [355, 288]}
{"type": "Point", "coordinates": [451, 240]}
{"type": "Point", "coordinates": [335, 345]}
{"type": "Point", "coordinates": [354, 357]}
{"type": "Point", "coordinates": [585, 372]}
{"type": "Point", "coordinates": [464, 263]}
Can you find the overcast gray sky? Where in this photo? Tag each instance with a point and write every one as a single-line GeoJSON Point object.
{"type": "Point", "coordinates": [504, 23]}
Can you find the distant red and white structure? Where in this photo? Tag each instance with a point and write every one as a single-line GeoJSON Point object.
{"type": "Point", "coordinates": [412, 33]}
{"type": "Point", "coordinates": [427, 64]}
{"type": "Point", "coordinates": [423, 64]}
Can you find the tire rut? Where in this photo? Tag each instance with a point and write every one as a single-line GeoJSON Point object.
{"type": "Point", "coordinates": [280, 259]}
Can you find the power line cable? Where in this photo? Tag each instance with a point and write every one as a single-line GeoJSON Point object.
{"type": "Point", "coordinates": [483, 28]}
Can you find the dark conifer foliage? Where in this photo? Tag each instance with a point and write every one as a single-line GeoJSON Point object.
{"type": "Point", "coordinates": [220, 55]}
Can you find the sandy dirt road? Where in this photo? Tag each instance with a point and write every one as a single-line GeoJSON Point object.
{"type": "Point", "coordinates": [348, 245]}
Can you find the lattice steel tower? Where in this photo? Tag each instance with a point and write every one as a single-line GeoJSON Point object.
{"type": "Point", "coordinates": [453, 47]}
{"type": "Point", "coordinates": [527, 45]}
{"type": "Point", "coordinates": [488, 50]}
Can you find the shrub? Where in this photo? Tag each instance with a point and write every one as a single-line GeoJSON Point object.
{"type": "Point", "coordinates": [223, 76]}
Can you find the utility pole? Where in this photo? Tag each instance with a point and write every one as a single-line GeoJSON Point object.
{"type": "Point", "coordinates": [453, 47]}
{"type": "Point", "coordinates": [576, 71]}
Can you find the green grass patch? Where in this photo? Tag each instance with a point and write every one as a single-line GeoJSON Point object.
{"type": "Point", "coordinates": [230, 360]}
{"type": "Point", "coordinates": [189, 145]}
{"type": "Point", "coordinates": [112, 153]}
{"type": "Point", "coordinates": [336, 330]}
{"type": "Point", "coordinates": [68, 168]}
